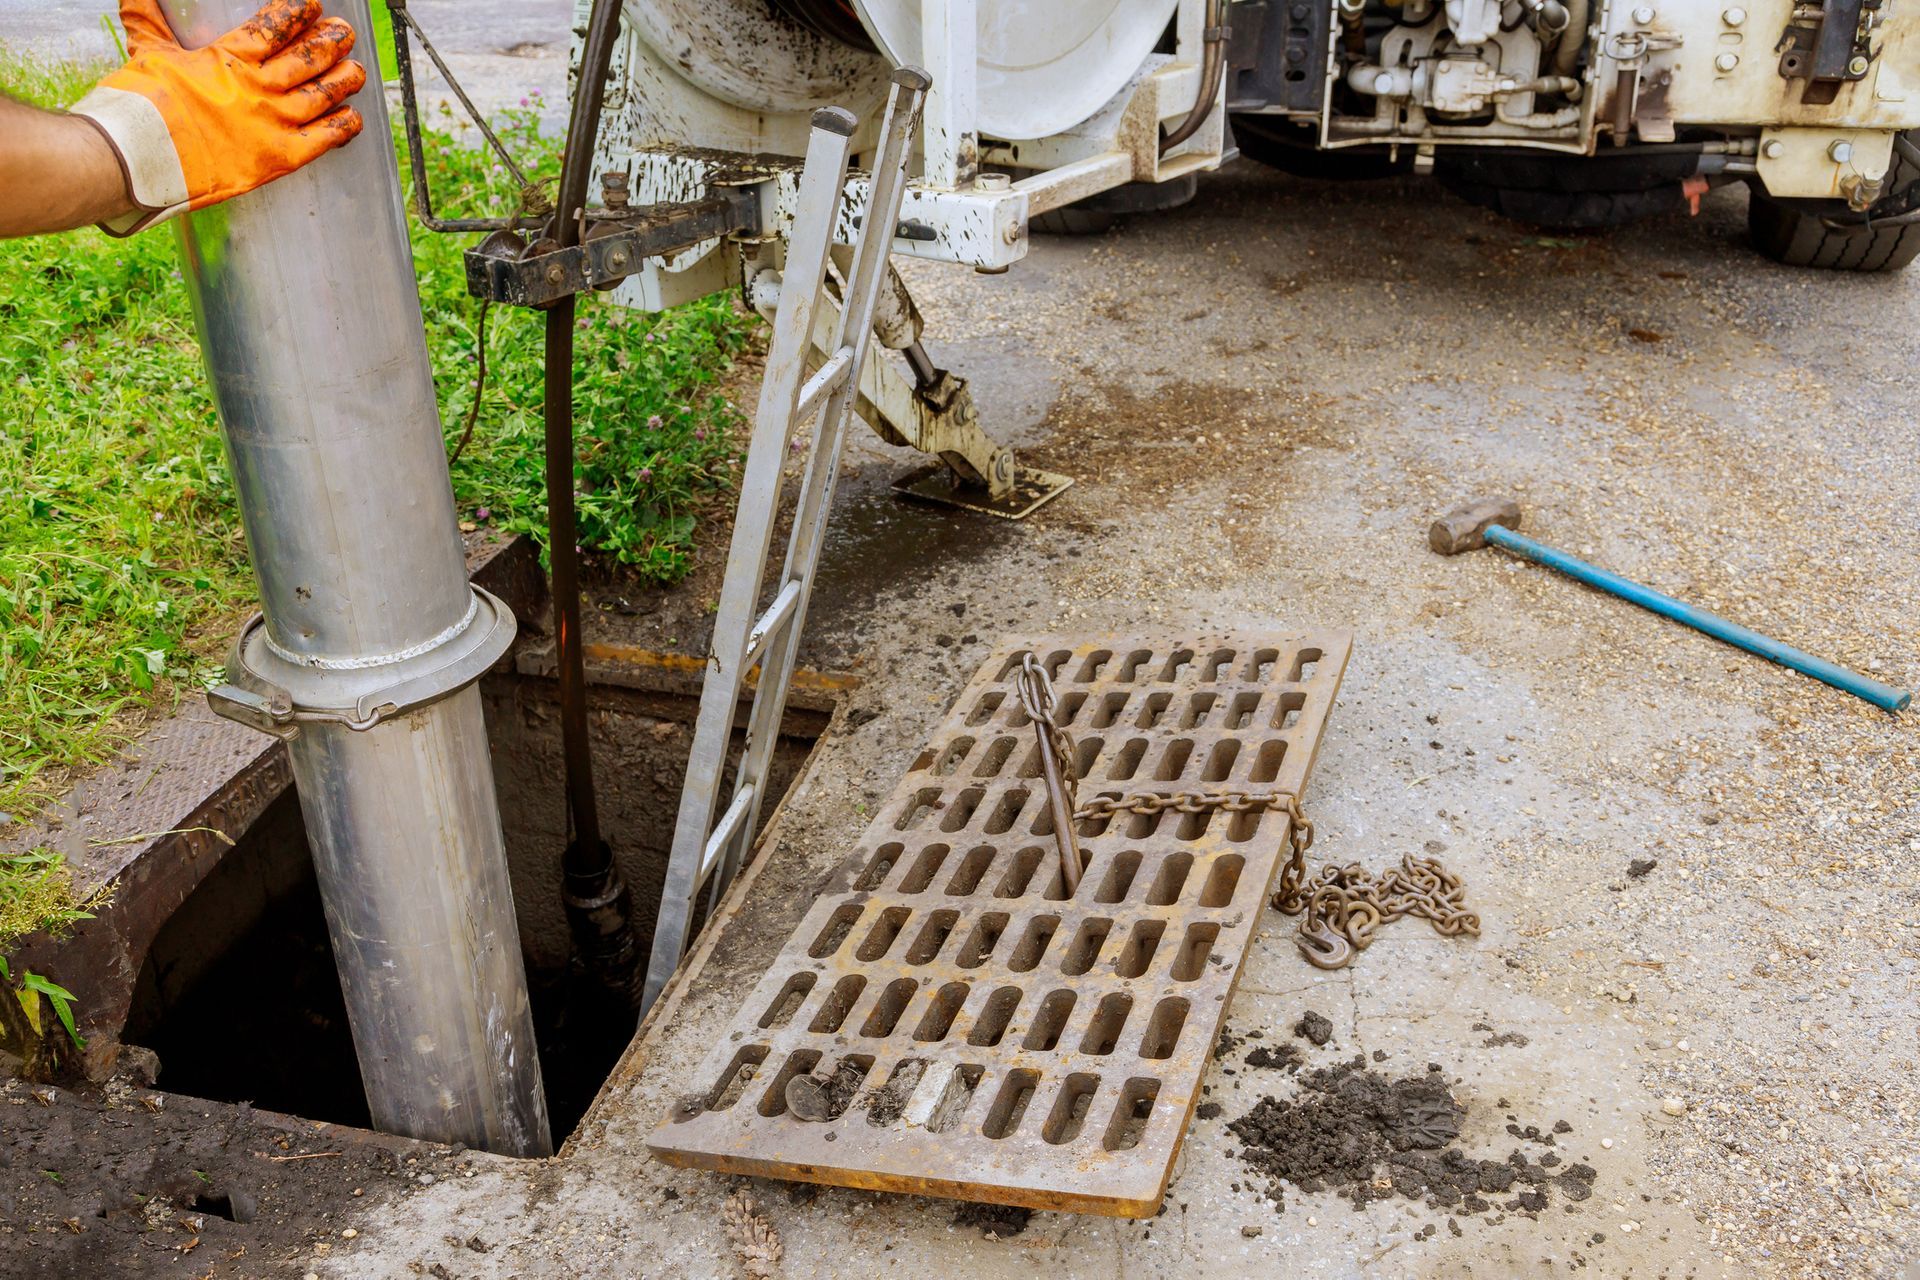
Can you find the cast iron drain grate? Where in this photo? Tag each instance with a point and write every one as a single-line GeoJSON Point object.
{"type": "Point", "coordinates": [982, 1035]}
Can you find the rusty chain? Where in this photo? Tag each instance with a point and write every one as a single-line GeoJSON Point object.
{"type": "Point", "coordinates": [1343, 906]}
{"type": "Point", "coordinates": [1340, 909]}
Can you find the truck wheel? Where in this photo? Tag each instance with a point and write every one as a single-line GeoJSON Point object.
{"type": "Point", "coordinates": [1789, 232]}
{"type": "Point", "coordinates": [1098, 214]}
{"type": "Point", "coordinates": [1294, 150]}
{"type": "Point", "coordinates": [1072, 221]}
{"type": "Point", "coordinates": [1569, 193]}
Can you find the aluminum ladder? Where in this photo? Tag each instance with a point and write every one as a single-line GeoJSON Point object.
{"type": "Point", "coordinates": [706, 852]}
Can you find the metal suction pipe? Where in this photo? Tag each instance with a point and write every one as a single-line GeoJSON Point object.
{"type": "Point", "coordinates": [370, 638]}
{"type": "Point", "coordinates": [598, 903]}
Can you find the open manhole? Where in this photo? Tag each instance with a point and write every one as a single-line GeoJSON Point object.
{"type": "Point", "coordinates": [238, 995]}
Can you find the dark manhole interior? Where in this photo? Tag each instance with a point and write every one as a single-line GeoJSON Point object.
{"type": "Point", "coordinates": [239, 997]}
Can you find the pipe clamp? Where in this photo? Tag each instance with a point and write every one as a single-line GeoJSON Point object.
{"type": "Point", "coordinates": [267, 692]}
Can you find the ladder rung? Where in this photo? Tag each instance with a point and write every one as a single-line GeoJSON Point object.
{"type": "Point", "coordinates": [771, 622]}
{"type": "Point", "coordinates": [823, 382]}
{"type": "Point", "coordinates": [723, 831]}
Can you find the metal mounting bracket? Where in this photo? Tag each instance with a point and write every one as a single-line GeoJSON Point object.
{"type": "Point", "coordinates": [506, 268]}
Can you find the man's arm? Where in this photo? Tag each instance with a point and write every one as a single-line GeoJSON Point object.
{"type": "Point", "coordinates": [178, 128]}
{"type": "Point", "coordinates": [57, 171]}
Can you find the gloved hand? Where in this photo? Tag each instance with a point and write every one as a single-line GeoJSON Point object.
{"type": "Point", "coordinates": [193, 127]}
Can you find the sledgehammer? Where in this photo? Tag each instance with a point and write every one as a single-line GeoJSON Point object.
{"type": "Point", "coordinates": [1494, 520]}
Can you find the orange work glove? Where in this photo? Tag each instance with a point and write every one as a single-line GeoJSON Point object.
{"type": "Point", "coordinates": [193, 127]}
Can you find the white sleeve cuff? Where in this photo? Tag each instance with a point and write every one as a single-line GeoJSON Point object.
{"type": "Point", "coordinates": [139, 137]}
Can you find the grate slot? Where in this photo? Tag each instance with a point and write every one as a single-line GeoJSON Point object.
{"type": "Point", "coordinates": [1137, 955]}
{"type": "Point", "coordinates": [799, 1063]}
{"type": "Point", "coordinates": [781, 1011]}
{"type": "Point", "coordinates": [733, 1082]}
{"type": "Point", "coordinates": [923, 869]}
{"type": "Point", "coordinates": [1103, 1033]}
{"type": "Point", "coordinates": [882, 864]}
{"type": "Point", "coordinates": [1222, 880]}
{"type": "Point", "coordinates": [1121, 869]}
{"type": "Point", "coordinates": [941, 1011]}
{"type": "Point", "coordinates": [1190, 962]}
{"type": "Point", "coordinates": [1019, 873]}
{"type": "Point", "coordinates": [972, 869]}
{"type": "Point", "coordinates": [1070, 1108]}
{"type": "Point", "coordinates": [1127, 762]}
{"type": "Point", "coordinates": [1085, 947]}
{"type": "Point", "coordinates": [948, 760]}
{"type": "Point", "coordinates": [1010, 1108]}
{"type": "Point", "coordinates": [994, 759]}
{"type": "Point", "coordinates": [998, 1011]}
{"type": "Point", "coordinates": [1163, 1028]}
{"type": "Point", "coordinates": [980, 943]}
{"type": "Point", "coordinates": [885, 931]}
{"type": "Point", "coordinates": [890, 1101]}
{"type": "Point", "coordinates": [1266, 764]}
{"type": "Point", "coordinates": [893, 1001]}
{"type": "Point", "coordinates": [1092, 666]}
{"type": "Point", "coordinates": [1033, 944]}
{"type": "Point", "coordinates": [919, 809]}
{"type": "Point", "coordinates": [1051, 1020]}
{"type": "Point", "coordinates": [839, 925]}
{"type": "Point", "coordinates": [1130, 1115]}
{"type": "Point", "coordinates": [1012, 1042]}
{"type": "Point", "coordinates": [933, 936]}
{"type": "Point", "coordinates": [839, 1002]}
{"type": "Point", "coordinates": [1170, 879]}
{"type": "Point", "coordinates": [949, 1108]}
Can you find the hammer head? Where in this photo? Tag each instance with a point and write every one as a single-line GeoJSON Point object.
{"type": "Point", "coordinates": [1465, 527]}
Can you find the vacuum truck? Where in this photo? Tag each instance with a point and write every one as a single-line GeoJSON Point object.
{"type": "Point", "coordinates": [1060, 114]}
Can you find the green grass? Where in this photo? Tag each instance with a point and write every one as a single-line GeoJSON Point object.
{"type": "Point", "coordinates": [123, 571]}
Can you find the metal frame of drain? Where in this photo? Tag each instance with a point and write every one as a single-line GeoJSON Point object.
{"type": "Point", "coordinates": [993, 1038]}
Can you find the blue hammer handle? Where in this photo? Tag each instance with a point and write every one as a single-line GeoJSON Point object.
{"type": "Point", "coordinates": [1884, 696]}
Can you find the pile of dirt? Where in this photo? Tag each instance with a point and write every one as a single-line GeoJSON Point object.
{"type": "Point", "coordinates": [1369, 1137]}
{"type": "Point", "coordinates": [1283, 1057]}
{"type": "Point", "coordinates": [1315, 1028]}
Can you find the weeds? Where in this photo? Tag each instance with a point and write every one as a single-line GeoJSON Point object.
{"type": "Point", "coordinates": [652, 433]}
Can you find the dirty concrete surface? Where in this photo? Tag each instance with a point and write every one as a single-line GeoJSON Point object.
{"type": "Point", "coordinates": [1266, 396]}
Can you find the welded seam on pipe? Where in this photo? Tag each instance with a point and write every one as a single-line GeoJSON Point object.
{"type": "Point", "coordinates": [428, 645]}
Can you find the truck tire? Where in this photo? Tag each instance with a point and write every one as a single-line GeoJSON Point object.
{"type": "Point", "coordinates": [1569, 193]}
{"type": "Point", "coordinates": [1072, 220]}
{"type": "Point", "coordinates": [1277, 144]}
{"type": "Point", "coordinates": [1792, 232]}
{"type": "Point", "coordinates": [1098, 214]}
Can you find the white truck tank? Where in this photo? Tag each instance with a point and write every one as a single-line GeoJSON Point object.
{"type": "Point", "coordinates": [742, 75]}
